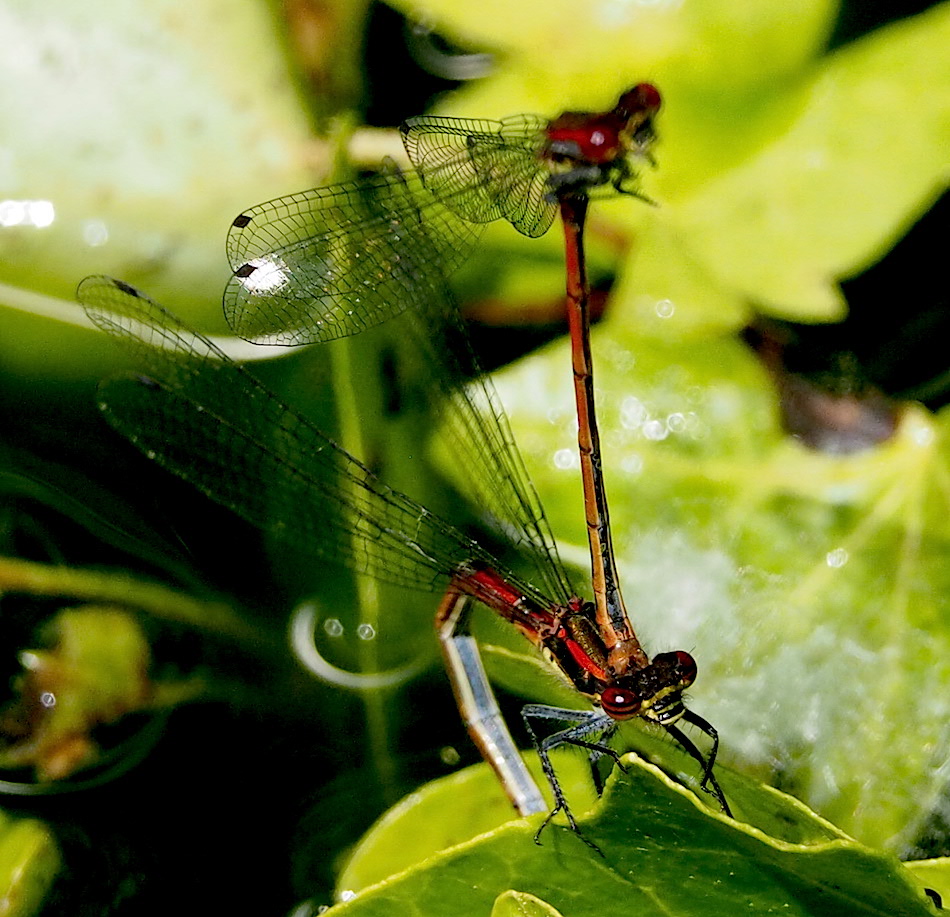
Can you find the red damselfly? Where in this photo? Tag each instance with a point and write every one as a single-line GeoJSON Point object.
{"type": "Point", "coordinates": [333, 261]}
{"type": "Point", "coordinates": [210, 421]}
{"type": "Point", "coordinates": [525, 169]}
{"type": "Point", "coordinates": [342, 252]}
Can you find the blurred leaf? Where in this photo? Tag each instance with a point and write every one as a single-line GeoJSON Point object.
{"type": "Point", "coordinates": [29, 862]}
{"type": "Point", "coordinates": [95, 673]}
{"type": "Point", "coordinates": [146, 131]}
{"type": "Point", "coordinates": [865, 155]}
{"type": "Point", "coordinates": [96, 668]}
{"type": "Point", "coordinates": [560, 56]}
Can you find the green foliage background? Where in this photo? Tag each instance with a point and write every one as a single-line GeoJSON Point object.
{"type": "Point", "coordinates": [811, 588]}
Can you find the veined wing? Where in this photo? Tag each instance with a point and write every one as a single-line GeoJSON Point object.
{"type": "Point", "coordinates": [476, 430]}
{"type": "Point", "coordinates": [485, 170]}
{"type": "Point", "coordinates": [209, 421]}
{"type": "Point", "coordinates": [333, 261]}
{"type": "Point", "coordinates": [372, 214]}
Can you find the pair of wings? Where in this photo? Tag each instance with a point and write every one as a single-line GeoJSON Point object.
{"type": "Point", "coordinates": [332, 261]}
{"type": "Point", "coordinates": [312, 267]}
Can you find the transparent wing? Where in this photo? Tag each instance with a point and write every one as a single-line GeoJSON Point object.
{"type": "Point", "coordinates": [485, 170]}
{"type": "Point", "coordinates": [414, 287]}
{"type": "Point", "coordinates": [476, 430]}
{"type": "Point", "coordinates": [333, 261]}
{"type": "Point", "coordinates": [208, 420]}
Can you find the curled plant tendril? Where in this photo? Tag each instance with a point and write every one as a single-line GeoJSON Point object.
{"type": "Point", "coordinates": [301, 633]}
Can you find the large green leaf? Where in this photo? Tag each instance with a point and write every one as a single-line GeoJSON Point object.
{"type": "Point", "coordinates": [662, 853]}
{"type": "Point", "coordinates": [864, 154]}
{"type": "Point", "coordinates": [144, 132]}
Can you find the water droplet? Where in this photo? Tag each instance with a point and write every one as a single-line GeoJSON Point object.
{"type": "Point", "coordinates": [632, 464]}
{"type": "Point", "coordinates": [366, 632]}
{"type": "Point", "coordinates": [12, 213]}
{"type": "Point", "coordinates": [95, 233]}
{"type": "Point", "coordinates": [923, 435]}
{"type": "Point", "coordinates": [333, 627]}
{"type": "Point", "coordinates": [836, 558]}
{"type": "Point", "coordinates": [633, 413]}
{"type": "Point", "coordinates": [27, 213]}
{"type": "Point", "coordinates": [565, 459]}
{"type": "Point", "coordinates": [655, 430]}
{"type": "Point", "coordinates": [48, 699]}
{"type": "Point", "coordinates": [664, 308]}
{"type": "Point", "coordinates": [676, 423]}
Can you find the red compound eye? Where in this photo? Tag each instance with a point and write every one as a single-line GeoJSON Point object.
{"type": "Point", "coordinates": [680, 663]}
{"type": "Point", "coordinates": [620, 703]}
{"type": "Point", "coordinates": [643, 97]}
{"type": "Point", "coordinates": [687, 666]}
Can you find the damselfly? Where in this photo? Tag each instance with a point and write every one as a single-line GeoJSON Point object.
{"type": "Point", "coordinates": [210, 421]}
{"type": "Point", "coordinates": [333, 261]}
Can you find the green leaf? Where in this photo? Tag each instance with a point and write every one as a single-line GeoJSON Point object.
{"type": "Point", "coordinates": [933, 874]}
{"type": "Point", "coordinates": [863, 156]}
{"type": "Point", "coordinates": [663, 853]}
{"type": "Point", "coordinates": [556, 58]}
{"type": "Point", "coordinates": [443, 814]}
{"type": "Point", "coordinates": [145, 132]}
{"type": "Point", "coordinates": [94, 673]}
{"type": "Point", "coordinates": [29, 862]}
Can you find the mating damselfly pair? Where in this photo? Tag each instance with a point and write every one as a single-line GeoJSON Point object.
{"type": "Point", "coordinates": [333, 261]}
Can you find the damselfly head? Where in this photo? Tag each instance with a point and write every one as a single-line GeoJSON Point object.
{"type": "Point", "coordinates": [643, 101]}
{"type": "Point", "coordinates": [636, 108]}
{"type": "Point", "coordinates": [676, 667]}
{"type": "Point", "coordinates": [662, 684]}
{"type": "Point", "coordinates": [654, 692]}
